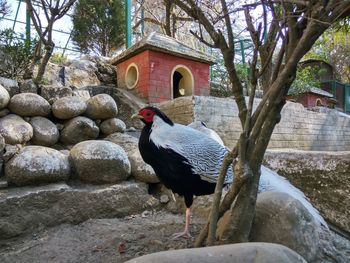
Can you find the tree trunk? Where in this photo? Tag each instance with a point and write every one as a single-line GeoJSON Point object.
{"type": "Point", "coordinates": [238, 227]}
{"type": "Point", "coordinates": [41, 71]}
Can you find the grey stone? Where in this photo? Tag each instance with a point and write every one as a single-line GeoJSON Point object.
{"type": "Point", "coordinates": [53, 93]}
{"type": "Point", "coordinates": [235, 253]}
{"type": "Point", "coordinates": [140, 170]}
{"type": "Point", "coordinates": [45, 132]}
{"type": "Point", "coordinates": [37, 164]}
{"type": "Point", "coordinates": [100, 162]}
{"type": "Point", "coordinates": [127, 142]}
{"type": "Point", "coordinates": [284, 220]}
{"type": "Point", "coordinates": [4, 112]}
{"type": "Point", "coordinates": [101, 106]}
{"type": "Point", "coordinates": [15, 130]}
{"type": "Point", "coordinates": [79, 129]}
{"type": "Point", "coordinates": [83, 94]}
{"type": "Point", "coordinates": [322, 176]}
{"type": "Point", "coordinates": [4, 97]}
{"type": "Point", "coordinates": [29, 104]}
{"type": "Point", "coordinates": [68, 107]}
{"type": "Point", "coordinates": [28, 209]}
{"type": "Point", "coordinates": [28, 86]}
{"type": "Point", "coordinates": [2, 148]}
{"type": "Point", "coordinates": [10, 85]}
{"type": "Point", "coordinates": [112, 125]}
{"type": "Point", "coordinates": [106, 73]}
{"type": "Point", "coordinates": [2, 144]}
{"type": "Point", "coordinates": [3, 184]}
{"type": "Point", "coordinates": [11, 150]}
{"type": "Point", "coordinates": [99, 89]}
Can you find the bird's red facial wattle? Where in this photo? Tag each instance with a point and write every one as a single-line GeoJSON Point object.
{"type": "Point", "coordinates": [146, 115]}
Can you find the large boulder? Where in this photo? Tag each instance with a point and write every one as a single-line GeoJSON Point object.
{"type": "Point", "coordinates": [140, 170]}
{"type": "Point", "coordinates": [4, 97]}
{"type": "Point", "coordinates": [37, 164]}
{"type": "Point", "coordinates": [29, 104]}
{"type": "Point", "coordinates": [68, 107]}
{"type": "Point", "coordinates": [101, 106]}
{"type": "Point", "coordinates": [53, 92]}
{"type": "Point", "coordinates": [45, 131]}
{"type": "Point", "coordinates": [322, 176]}
{"type": "Point", "coordinates": [127, 142]}
{"type": "Point", "coordinates": [284, 220]}
{"type": "Point", "coordinates": [79, 129]}
{"type": "Point", "coordinates": [281, 219]}
{"type": "Point", "coordinates": [235, 253]}
{"type": "Point", "coordinates": [100, 162]}
{"type": "Point", "coordinates": [15, 130]}
{"type": "Point", "coordinates": [112, 125]}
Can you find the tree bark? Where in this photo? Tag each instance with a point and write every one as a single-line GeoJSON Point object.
{"type": "Point", "coordinates": [41, 71]}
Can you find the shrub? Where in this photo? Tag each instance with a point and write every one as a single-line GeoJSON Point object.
{"type": "Point", "coordinates": [15, 54]}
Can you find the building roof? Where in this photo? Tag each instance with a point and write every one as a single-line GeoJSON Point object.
{"type": "Point", "coordinates": [165, 44]}
{"type": "Point", "coordinates": [319, 92]}
{"type": "Point", "coordinates": [310, 89]}
{"type": "Point", "coordinates": [314, 60]}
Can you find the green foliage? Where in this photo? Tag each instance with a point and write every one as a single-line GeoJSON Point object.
{"type": "Point", "coordinates": [334, 47]}
{"type": "Point", "coordinates": [98, 26]}
{"type": "Point", "coordinates": [221, 85]}
{"type": "Point", "coordinates": [306, 78]}
{"type": "Point", "coordinates": [58, 59]}
{"type": "Point", "coordinates": [15, 55]}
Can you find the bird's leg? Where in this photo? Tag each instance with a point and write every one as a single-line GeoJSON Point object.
{"type": "Point", "coordinates": [186, 232]}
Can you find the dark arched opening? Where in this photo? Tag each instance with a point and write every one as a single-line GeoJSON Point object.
{"type": "Point", "coordinates": [177, 90]}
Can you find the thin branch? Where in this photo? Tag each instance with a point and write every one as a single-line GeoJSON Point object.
{"type": "Point", "coordinates": [214, 215]}
{"type": "Point", "coordinates": [201, 39]}
{"type": "Point", "coordinates": [228, 25]}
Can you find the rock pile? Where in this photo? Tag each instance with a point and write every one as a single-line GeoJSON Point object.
{"type": "Point", "coordinates": [64, 140]}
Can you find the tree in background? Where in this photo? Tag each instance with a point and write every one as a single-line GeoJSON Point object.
{"type": "Point", "coordinates": [15, 55]}
{"type": "Point", "coordinates": [53, 11]}
{"type": "Point", "coordinates": [98, 26]}
{"type": "Point", "coordinates": [283, 33]}
{"type": "Point", "coordinates": [4, 8]}
{"type": "Point", "coordinates": [334, 48]}
{"type": "Point", "coordinates": [162, 16]}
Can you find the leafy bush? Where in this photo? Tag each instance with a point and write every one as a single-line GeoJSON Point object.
{"type": "Point", "coordinates": [58, 59]}
{"type": "Point", "coordinates": [306, 78]}
{"type": "Point", "coordinates": [15, 55]}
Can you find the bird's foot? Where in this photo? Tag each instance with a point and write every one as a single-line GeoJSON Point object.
{"type": "Point", "coordinates": [185, 234]}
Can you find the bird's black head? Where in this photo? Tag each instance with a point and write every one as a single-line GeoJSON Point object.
{"type": "Point", "coordinates": [147, 114]}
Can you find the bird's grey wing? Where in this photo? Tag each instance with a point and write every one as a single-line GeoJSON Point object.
{"type": "Point", "coordinates": [204, 154]}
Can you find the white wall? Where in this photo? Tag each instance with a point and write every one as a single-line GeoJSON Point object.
{"type": "Point", "coordinates": [298, 129]}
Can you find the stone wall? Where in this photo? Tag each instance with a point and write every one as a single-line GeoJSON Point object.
{"type": "Point", "coordinates": [322, 176]}
{"type": "Point", "coordinates": [299, 128]}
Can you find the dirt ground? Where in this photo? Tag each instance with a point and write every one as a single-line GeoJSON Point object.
{"type": "Point", "coordinates": [101, 240]}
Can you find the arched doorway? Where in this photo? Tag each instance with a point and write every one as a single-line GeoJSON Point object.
{"type": "Point", "coordinates": [181, 82]}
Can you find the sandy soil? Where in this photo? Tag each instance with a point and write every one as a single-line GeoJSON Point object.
{"type": "Point", "coordinates": [101, 240]}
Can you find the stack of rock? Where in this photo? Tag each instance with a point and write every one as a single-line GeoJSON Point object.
{"type": "Point", "coordinates": [74, 137]}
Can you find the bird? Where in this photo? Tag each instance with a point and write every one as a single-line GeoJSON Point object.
{"type": "Point", "coordinates": [188, 161]}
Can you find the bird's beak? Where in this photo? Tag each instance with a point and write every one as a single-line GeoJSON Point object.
{"type": "Point", "coordinates": [136, 116]}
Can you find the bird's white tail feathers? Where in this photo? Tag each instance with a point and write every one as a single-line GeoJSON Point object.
{"type": "Point", "coordinates": [271, 181]}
